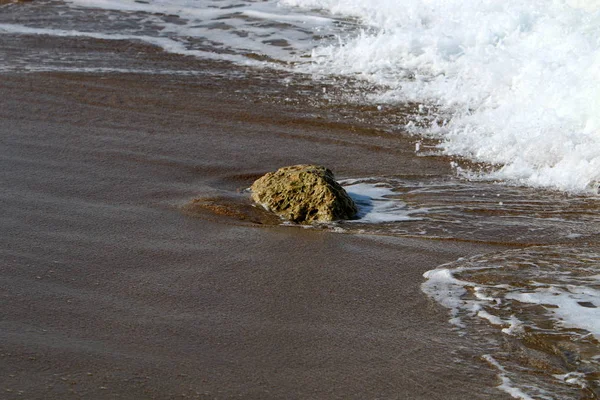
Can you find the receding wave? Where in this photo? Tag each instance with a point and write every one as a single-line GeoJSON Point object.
{"type": "Point", "coordinates": [536, 311]}
{"type": "Point", "coordinates": [515, 85]}
{"type": "Point", "coordinates": [512, 83]}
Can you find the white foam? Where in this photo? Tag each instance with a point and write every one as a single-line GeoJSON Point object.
{"type": "Point", "coordinates": [376, 203]}
{"type": "Point", "coordinates": [565, 305]}
{"type": "Point", "coordinates": [518, 81]}
{"type": "Point", "coordinates": [167, 44]}
{"type": "Point", "coordinates": [515, 327]}
{"type": "Point", "coordinates": [513, 83]}
{"type": "Point", "coordinates": [228, 26]}
{"type": "Point", "coordinates": [507, 385]}
{"type": "Point", "coordinates": [442, 286]}
{"type": "Point", "coordinates": [562, 279]}
{"type": "Point", "coordinates": [494, 320]}
{"type": "Point", "coordinates": [572, 306]}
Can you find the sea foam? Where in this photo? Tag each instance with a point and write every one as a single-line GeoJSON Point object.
{"type": "Point", "coordinates": [548, 293]}
{"type": "Point", "coordinates": [513, 83]}
{"type": "Point", "coordinates": [377, 203]}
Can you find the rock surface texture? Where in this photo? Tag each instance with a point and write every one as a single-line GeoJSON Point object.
{"type": "Point", "coordinates": [303, 193]}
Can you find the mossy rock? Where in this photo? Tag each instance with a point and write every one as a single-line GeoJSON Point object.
{"type": "Point", "coordinates": [303, 194]}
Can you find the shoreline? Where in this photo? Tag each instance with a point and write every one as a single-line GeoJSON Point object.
{"type": "Point", "coordinates": [132, 265]}
{"type": "Point", "coordinates": [112, 291]}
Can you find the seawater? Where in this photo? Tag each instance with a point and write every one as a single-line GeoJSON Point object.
{"type": "Point", "coordinates": [514, 84]}
{"type": "Point", "coordinates": [248, 33]}
{"type": "Point", "coordinates": [539, 308]}
{"type": "Point", "coordinates": [510, 90]}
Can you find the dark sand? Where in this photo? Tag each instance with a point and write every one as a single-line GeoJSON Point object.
{"type": "Point", "coordinates": [108, 290]}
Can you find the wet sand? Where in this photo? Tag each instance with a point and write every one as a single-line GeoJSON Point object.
{"type": "Point", "coordinates": [110, 291]}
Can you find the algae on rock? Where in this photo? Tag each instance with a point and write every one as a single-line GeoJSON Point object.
{"type": "Point", "coordinates": [303, 193]}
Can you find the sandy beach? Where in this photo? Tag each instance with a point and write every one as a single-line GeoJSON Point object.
{"type": "Point", "coordinates": [110, 291]}
{"type": "Point", "coordinates": [134, 265]}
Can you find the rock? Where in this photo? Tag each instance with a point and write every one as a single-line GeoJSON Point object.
{"type": "Point", "coordinates": [303, 193]}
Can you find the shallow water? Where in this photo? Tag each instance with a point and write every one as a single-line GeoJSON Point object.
{"type": "Point", "coordinates": [518, 306]}
{"type": "Point", "coordinates": [517, 89]}
{"type": "Point", "coordinates": [514, 83]}
{"type": "Point", "coordinates": [539, 306]}
{"type": "Point", "coordinates": [457, 209]}
{"type": "Point", "coordinates": [532, 312]}
{"type": "Point", "coordinates": [247, 33]}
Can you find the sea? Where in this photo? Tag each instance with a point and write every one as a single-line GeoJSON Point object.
{"type": "Point", "coordinates": [507, 92]}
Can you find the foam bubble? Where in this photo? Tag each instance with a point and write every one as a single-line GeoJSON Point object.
{"type": "Point", "coordinates": [256, 29]}
{"type": "Point", "coordinates": [548, 294]}
{"type": "Point", "coordinates": [167, 44]}
{"type": "Point", "coordinates": [515, 83]}
{"type": "Point", "coordinates": [574, 306]}
{"type": "Point", "coordinates": [507, 385]}
{"type": "Point", "coordinates": [376, 203]}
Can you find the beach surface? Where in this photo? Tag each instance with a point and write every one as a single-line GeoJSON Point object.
{"type": "Point", "coordinates": [109, 290]}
